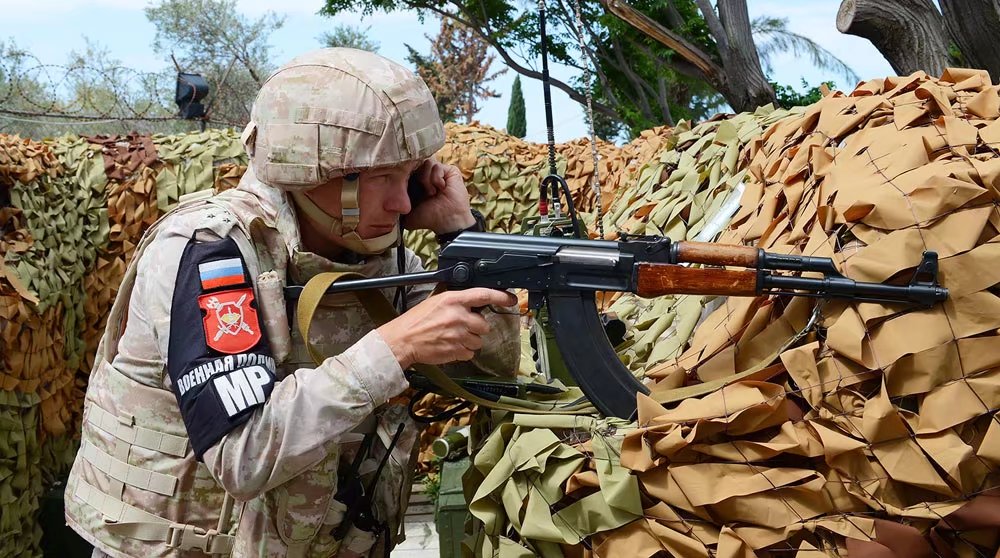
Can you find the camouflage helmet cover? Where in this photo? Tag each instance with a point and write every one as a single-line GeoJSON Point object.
{"type": "Point", "coordinates": [336, 111]}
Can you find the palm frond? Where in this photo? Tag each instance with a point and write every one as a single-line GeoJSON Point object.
{"type": "Point", "coordinates": [773, 37]}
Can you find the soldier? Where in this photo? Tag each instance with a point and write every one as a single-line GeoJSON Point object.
{"type": "Point", "coordinates": [210, 426]}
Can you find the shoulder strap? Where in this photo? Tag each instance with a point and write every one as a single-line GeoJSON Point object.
{"type": "Point", "coordinates": [381, 311]}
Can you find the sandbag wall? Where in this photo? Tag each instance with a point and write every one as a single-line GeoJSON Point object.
{"type": "Point", "coordinates": [789, 427]}
{"type": "Point", "coordinates": [73, 210]}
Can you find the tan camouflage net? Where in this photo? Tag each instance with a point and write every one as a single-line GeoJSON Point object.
{"type": "Point", "coordinates": [28, 346]}
{"type": "Point", "coordinates": [503, 174]}
{"type": "Point", "coordinates": [20, 474]}
{"type": "Point", "coordinates": [872, 434]}
{"type": "Point", "coordinates": [78, 206]}
{"type": "Point", "coordinates": [67, 218]}
{"type": "Point", "coordinates": [687, 190]}
{"type": "Point", "coordinates": [193, 161]}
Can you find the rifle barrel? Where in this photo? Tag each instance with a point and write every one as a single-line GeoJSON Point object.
{"type": "Point", "coordinates": [842, 287]}
{"type": "Point", "coordinates": [347, 285]}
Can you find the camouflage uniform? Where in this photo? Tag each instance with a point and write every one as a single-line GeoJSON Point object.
{"type": "Point", "coordinates": [137, 489]}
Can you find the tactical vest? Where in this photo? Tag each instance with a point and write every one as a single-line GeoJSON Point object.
{"type": "Point", "coordinates": [136, 489]}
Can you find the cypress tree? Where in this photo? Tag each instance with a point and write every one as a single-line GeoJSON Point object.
{"type": "Point", "coordinates": [517, 126]}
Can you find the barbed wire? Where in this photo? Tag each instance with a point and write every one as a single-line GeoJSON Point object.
{"type": "Point", "coordinates": [43, 94]}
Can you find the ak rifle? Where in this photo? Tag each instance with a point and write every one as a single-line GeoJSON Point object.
{"type": "Point", "coordinates": [564, 273]}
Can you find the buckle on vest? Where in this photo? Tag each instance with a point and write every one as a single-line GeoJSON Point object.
{"type": "Point", "coordinates": [189, 537]}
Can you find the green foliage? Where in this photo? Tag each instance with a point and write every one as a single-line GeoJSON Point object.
{"type": "Point", "coordinates": [349, 36]}
{"type": "Point", "coordinates": [426, 69]}
{"type": "Point", "coordinates": [91, 84]}
{"type": "Point", "coordinates": [213, 38]}
{"type": "Point", "coordinates": [432, 483]}
{"type": "Point", "coordinates": [517, 125]}
{"type": "Point", "coordinates": [773, 37]}
{"type": "Point", "coordinates": [638, 82]}
{"type": "Point", "coordinates": [788, 97]}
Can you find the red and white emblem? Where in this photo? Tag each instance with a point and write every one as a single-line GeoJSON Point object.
{"type": "Point", "coordinates": [231, 324]}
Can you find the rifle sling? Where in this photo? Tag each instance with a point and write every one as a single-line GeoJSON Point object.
{"type": "Point", "coordinates": [381, 311]}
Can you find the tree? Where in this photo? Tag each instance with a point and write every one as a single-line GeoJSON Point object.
{"type": "Point", "coordinates": [457, 70]}
{"type": "Point", "coordinates": [773, 37]}
{"type": "Point", "coordinates": [914, 35]}
{"type": "Point", "coordinates": [909, 33]}
{"type": "Point", "coordinates": [344, 35]}
{"type": "Point", "coordinates": [91, 93]}
{"type": "Point", "coordinates": [788, 97]}
{"type": "Point", "coordinates": [655, 61]}
{"type": "Point", "coordinates": [516, 123]}
{"type": "Point", "coordinates": [430, 71]}
{"type": "Point", "coordinates": [972, 25]}
{"type": "Point", "coordinates": [213, 38]}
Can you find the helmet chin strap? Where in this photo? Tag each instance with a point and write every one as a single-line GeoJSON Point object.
{"type": "Point", "coordinates": [345, 227]}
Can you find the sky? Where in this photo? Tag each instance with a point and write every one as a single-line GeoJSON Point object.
{"type": "Point", "coordinates": [50, 29]}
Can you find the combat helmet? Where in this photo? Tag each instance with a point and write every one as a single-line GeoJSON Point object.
{"type": "Point", "coordinates": [334, 112]}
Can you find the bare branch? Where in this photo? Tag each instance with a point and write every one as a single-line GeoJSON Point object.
{"type": "Point", "coordinates": [709, 70]}
{"type": "Point", "coordinates": [636, 82]}
{"type": "Point", "coordinates": [664, 102]}
{"type": "Point", "coordinates": [714, 24]}
{"type": "Point", "coordinates": [525, 71]}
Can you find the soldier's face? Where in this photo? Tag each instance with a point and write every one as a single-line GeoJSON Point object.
{"type": "Point", "coordinates": [382, 198]}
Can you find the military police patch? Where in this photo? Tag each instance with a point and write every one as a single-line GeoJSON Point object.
{"type": "Point", "coordinates": [219, 361]}
{"type": "Point", "coordinates": [230, 322]}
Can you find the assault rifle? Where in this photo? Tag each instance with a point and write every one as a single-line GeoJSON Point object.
{"type": "Point", "coordinates": [564, 273]}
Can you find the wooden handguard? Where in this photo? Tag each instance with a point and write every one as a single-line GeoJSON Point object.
{"type": "Point", "coordinates": [663, 279]}
{"type": "Point", "coordinates": [716, 254]}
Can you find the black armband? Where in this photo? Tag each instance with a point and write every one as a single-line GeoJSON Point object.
{"type": "Point", "coordinates": [219, 360]}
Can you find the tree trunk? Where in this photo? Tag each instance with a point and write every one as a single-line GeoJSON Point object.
{"type": "Point", "coordinates": [739, 79]}
{"type": "Point", "coordinates": [744, 85]}
{"type": "Point", "coordinates": [973, 25]}
{"type": "Point", "coordinates": [909, 33]}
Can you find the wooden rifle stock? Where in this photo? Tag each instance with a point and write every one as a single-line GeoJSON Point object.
{"type": "Point", "coordinates": [709, 253]}
{"type": "Point", "coordinates": [654, 280]}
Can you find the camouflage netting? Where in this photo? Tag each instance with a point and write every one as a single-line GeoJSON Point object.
{"type": "Point", "coordinates": [869, 432]}
{"type": "Point", "coordinates": [77, 207]}
{"type": "Point", "coordinates": [872, 431]}
{"type": "Point", "coordinates": [688, 190]}
{"type": "Point", "coordinates": [503, 174]}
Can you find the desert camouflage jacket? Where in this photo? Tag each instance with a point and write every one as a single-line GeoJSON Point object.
{"type": "Point", "coordinates": [130, 496]}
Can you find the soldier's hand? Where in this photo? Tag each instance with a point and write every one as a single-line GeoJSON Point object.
{"type": "Point", "coordinates": [444, 328]}
{"type": "Point", "coordinates": [446, 206]}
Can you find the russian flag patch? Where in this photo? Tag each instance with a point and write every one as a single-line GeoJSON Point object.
{"type": "Point", "coordinates": [221, 273]}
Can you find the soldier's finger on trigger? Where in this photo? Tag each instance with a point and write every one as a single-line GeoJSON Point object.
{"type": "Point", "coordinates": [481, 296]}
